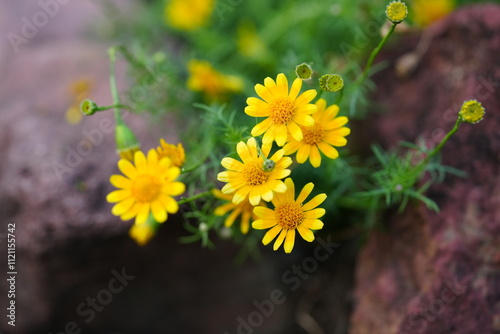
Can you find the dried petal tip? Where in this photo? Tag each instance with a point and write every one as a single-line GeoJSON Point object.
{"type": "Point", "coordinates": [303, 71]}
{"type": "Point", "coordinates": [471, 112]}
{"type": "Point", "coordinates": [396, 11]}
{"type": "Point", "coordinates": [331, 82]}
{"type": "Point", "coordinates": [88, 107]}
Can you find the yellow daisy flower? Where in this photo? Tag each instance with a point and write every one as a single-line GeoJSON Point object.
{"type": "Point", "coordinates": [328, 131]}
{"type": "Point", "coordinates": [285, 110]}
{"type": "Point", "coordinates": [188, 15]}
{"type": "Point", "coordinates": [146, 187]}
{"type": "Point", "coordinates": [215, 85]}
{"type": "Point", "coordinates": [245, 209]}
{"type": "Point", "coordinates": [174, 153]}
{"type": "Point", "coordinates": [290, 214]}
{"type": "Point", "coordinates": [252, 177]}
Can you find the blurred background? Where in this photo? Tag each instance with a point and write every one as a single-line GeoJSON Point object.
{"type": "Point", "coordinates": [77, 268]}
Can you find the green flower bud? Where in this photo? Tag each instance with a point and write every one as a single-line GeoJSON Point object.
{"type": "Point", "coordinates": [88, 107]}
{"type": "Point", "coordinates": [304, 71]}
{"type": "Point", "coordinates": [331, 82]}
{"type": "Point", "coordinates": [396, 11]}
{"type": "Point", "coordinates": [471, 112]}
{"type": "Point", "coordinates": [268, 165]}
{"type": "Point", "coordinates": [126, 142]}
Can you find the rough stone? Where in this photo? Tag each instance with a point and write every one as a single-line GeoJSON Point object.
{"type": "Point", "coordinates": [440, 272]}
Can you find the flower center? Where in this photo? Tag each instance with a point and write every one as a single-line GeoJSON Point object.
{"type": "Point", "coordinates": [145, 188]}
{"type": "Point", "coordinates": [289, 215]}
{"type": "Point", "coordinates": [312, 134]}
{"type": "Point", "coordinates": [281, 111]}
{"type": "Point", "coordinates": [254, 174]}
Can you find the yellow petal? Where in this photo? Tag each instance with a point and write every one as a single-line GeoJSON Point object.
{"type": "Point", "coordinates": [127, 168]}
{"type": "Point", "coordinates": [316, 213]}
{"type": "Point", "coordinates": [289, 241]}
{"type": "Point", "coordinates": [120, 181]}
{"type": "Point", "coordinates": [131, 213]}
{"type": "Point", "coordinates": [313, 224]}
{"type": "Point", "coordinates": [254, 196]}
{"type": "Point", "coordinates": [140, 162]}
{"type": "Point", "coordinates": [118, 195]}
{"type": "Point", "coordinates": [143, 213]}
{"type": "Point", "coordinates": [328, 150]}
{"type": "Point", "coordinates": [271, 234]}
{"type": "Point", "coordinates": [261, 127]}
{"type": "Point", "coordinates": [264, 213]}
{"type": "Point", "coordinates": [290, 190]}
{"type": "Point", "coordinates": [305, 192]}
{"type": "Point", "coordinates": [152, 161]}
{"type": "Point", "coordinates": [303, 153]}
{"type": "Point", "coordinates": [223, 209]}
{"type": "Point", "coordinates": [159, 213]}
{"type": "Point", "coordinates": [241, 194]}
{"type": "Point", "coordinates": [305, 233]}
{"type": "Point", "coordinates": [281, 134]}
{"type": "Point", "coordinates": [243, 152]}
{"type": "Point", "coordinates": [292, 147]}
{"type": "Point", "coordinates": [280, 239]}
{"type": "Point", "coordinates": [303, 119]}
{"type": "Point", "coordinates": [232, 217]}
{"type": "Point", "coordinates": [295, 131]}
{"type": "Point", "coordinates": [315, 157]}
{"type": "Point", "coordinates": [317, 200]}
{"type": "Point", "coordinates": [263, 224]}
{"type": "Point", "coordinates": [282, 85]}
{"type": "Point", "coordinates": [264, 93]}
{"type": "Point", "coordinates": [321, 104]}
{"type": "Point", "coordinates": [174, 188]}
{"type": "Point", "coordinates": [306, 97]}
{"type": "Point", "coordinates": [122, 207]}
{"type": "Point", "coordinates": [245, 219]}
{"type": "Point", "coordinates": [295, 90]}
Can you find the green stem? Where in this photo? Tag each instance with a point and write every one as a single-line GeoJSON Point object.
{"type": "Point", "coordinates": [190, 169]}
{"type": "Point", "coordinates": [441, 144]}
{"type": "Point", "coordinates": [132, 60]}
{"type": "Point", "coordinates": [374, 54]}
{"type": "Point", "coordinates": [339, 98]}
{"type": "Point", "coordinates": [112, 84]}
{"type": "Point", "coordinates": [114, 106]}
{"type": "Point", "coordinates": [194, 197]}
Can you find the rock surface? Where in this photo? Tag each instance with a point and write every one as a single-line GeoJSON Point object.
{"type": "Point", "coordinates": [440, 273]}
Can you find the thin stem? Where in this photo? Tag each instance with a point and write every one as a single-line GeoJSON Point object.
{"type": "Point", "coordinates": [132, 60]}
{"type": "Point", "coordinates": [441, 144]}
{"type": "Point", "coordinates": [374, 54]}
{"type": "Point", "coordinates": [114, 106]}
{"type": "Point", "coordinates": [339, 98]}
{"type": "Point", "coordinates": [194, 197]}
{"type": "Point", "coordinates": [187, 170]}
{"type": "Point", "coordinates": [112, 84]}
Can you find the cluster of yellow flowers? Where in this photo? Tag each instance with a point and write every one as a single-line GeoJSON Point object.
{"type": "Point", "coordinates": [296, 126]}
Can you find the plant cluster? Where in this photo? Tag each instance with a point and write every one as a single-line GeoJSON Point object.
{"type": "Point", "coordinates": [239, 173]}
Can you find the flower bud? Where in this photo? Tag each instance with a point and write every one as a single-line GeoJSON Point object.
{"type": "Point", "coordinates": [268, 165]}
{"type": "Point", "coordinates": [126, 142]}
{"type": "Point", "coordinates": [303, 71]}
{"type": "Point", "coordinates": [471, 112]}
{"type": "Point", "coordinates": [88, 107]}
{"type": "Point", "coordinates": [396, 11]}
{"type": "Point", "coordinates": [331, 82]}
